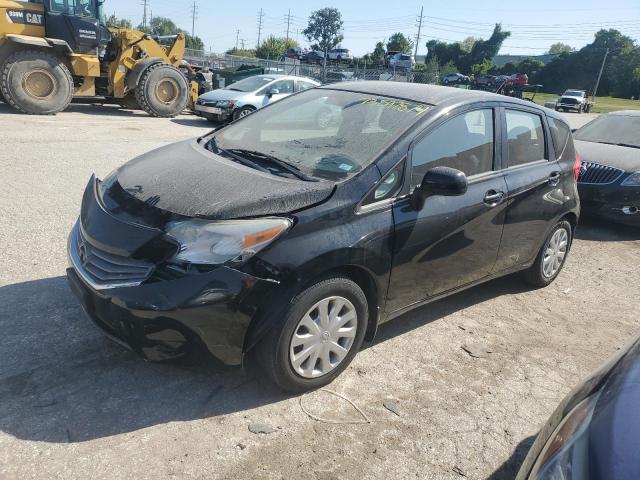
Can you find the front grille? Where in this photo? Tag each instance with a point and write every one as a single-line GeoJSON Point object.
{"type": "Point", "coordinates": [569, 101]}
{"type": "Point", "coordinates": [595, 173]}
{"type": "Point", "coordinates": [104, 270]}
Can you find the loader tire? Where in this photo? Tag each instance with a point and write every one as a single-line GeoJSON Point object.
{"type": "Point", "coordinates": [129, 102]}
{"type": "Point", "coordinates": [36, 83]}
{"type": "Point", "coordinates": [163, 91]}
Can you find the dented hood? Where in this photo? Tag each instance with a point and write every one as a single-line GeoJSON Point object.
{"type": "Point", "coordinates": [186, 179]}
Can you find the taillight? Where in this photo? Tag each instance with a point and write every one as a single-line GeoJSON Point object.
{"type": "Point", "coordinates": [576, 166]}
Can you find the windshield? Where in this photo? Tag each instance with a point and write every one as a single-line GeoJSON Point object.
{"type": "Point", "coordinates": [615, 129]}
{"type": "Point", "coordinates": [327, 134]}
{"type": "Point", "coordinates": [573, 93]}
{"type": "Point", "coordinates": [82, 8]}
{"type": "Point", "coordinates": [250, 84]}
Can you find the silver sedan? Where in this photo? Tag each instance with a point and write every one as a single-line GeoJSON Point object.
{"type": "Point", "coordinates": [245, 96]}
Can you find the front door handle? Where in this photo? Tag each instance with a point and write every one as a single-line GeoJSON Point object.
{"type": "Point", "coordinates": [554, 178]}
{"type": "Point", "coordinates": [493, 197]}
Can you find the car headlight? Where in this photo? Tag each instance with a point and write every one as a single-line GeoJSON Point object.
{"type": "Point", "coordinates": [632, 180]}
{"type": "Point", "coordinates": [226, 103]}
{"type": "Point", "coordinates": [215, 243]}
{"type": "Point", "coordinates": [566, 454]}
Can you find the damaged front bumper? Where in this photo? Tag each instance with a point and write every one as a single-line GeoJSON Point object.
{"type": "Point", "coordinates": [168, 319]}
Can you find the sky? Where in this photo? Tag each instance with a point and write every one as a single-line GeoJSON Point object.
{"type": "Point", "coordinates": [535, 25]}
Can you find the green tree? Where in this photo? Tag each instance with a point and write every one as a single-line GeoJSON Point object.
{"type": "Point", "coordinates": [114, 22]}
{"type": "Point", "coordinates": [194, 43]}
{"type": "Point", "coordinates": [274, 47]}
{"type": "Point", "coordinates": [325, 29]}
{"type": "Point", "coordinates": [558, 48]}
{"type": "Point", "coordinates": [467, 44]}
{"type": "Point", "coordinates": [241, 53]}
{"type": "Point", "coordinates": [399, 43]}
{"type": "Point", "coordinates": [378, 53]}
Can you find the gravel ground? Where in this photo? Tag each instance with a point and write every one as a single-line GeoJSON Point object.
{"type": "Point", "coordinates": [74, 405]}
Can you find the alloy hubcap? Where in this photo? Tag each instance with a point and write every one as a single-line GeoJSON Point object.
{"type": "Point", "coordinates": [39, 84]}
{"type": "Point", "coordinates": [167, 91]}
{"type": "Point", "coordinates": [244, 113]}
{"type": "Point", "coordinates": [555, 252]}
{"type": "Point", "coordinates": [323, 337]}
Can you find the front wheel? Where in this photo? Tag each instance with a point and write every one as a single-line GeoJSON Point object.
{"type": "Point", "coordinates": [321, 333]}
{"type": "Point", "coordinates": [243, 112]}
{"type": "Point", "coordinates": [163, 91]}
{"type": "Point", "coordinates": [552, 256]}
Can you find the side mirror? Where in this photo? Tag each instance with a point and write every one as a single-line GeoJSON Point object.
{"type": "Point", "coordinates": [272, 92]}
{"type": "Point", "coordinates": [443, 181]}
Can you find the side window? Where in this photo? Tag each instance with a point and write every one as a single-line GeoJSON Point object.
{"type": "Point", "coordinates": [466, 142]}
{"type": "Point", "coordinates": [283, 86]}
{"type": "Point", "coordinates": [560, 132]}
{"type": "Point", "coordinates": [73, 7]}
{"type": "Point", "coordinates": [525, 136]}
{"type": "Point", "coordinates": [302, 85]}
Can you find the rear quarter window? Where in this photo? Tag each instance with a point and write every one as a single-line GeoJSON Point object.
{"type": "Point", "coordinates": [560, 133]}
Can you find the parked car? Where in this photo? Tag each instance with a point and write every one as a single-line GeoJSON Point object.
{"type": "Point", "coordinates": [595, 432]}
{"type": "Point", "coordinates": [519, 79]}
{"type": "Point", "coordinates": [293, 242]}
{"type": "Point", "coordinates": [502, 79]}
{"type": "Point", "coordinates": [338, 76]}
{"type": "Point", "coordinates": [340, 54]}
{"type": "Point", "coordinates": [292, 53]}
{"type": "Point", "coordinates": [609, 182]}
{"type": "Point", "coordinates": [402, 61]}
{"type": "Point", "coordinates": [485, 80]}
{"type": "Point", "coordinates": [452, 78]}
{"type": "Point", "coordinates": [574, 100]}
{"type": "Point", "coordinates": [248, 95]}
{"type": "Point", "coordinates": [314, 56]}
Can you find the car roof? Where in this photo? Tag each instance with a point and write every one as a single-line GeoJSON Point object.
{"type": "Point", "coordinates": [280, 76]}
{"type": "Point", "coordinates": [423, 93]}
{"type": "Point", "coordinates": [625, 113]}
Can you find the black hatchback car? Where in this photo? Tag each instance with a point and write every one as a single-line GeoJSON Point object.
{"type": "Point", "coordinates": [294, 239]}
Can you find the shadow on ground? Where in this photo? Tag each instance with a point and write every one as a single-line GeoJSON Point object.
{"type": "Point", "coordinates": [61, 380]}
{"type": "Point", "coordinates": [596, 230]}
{"type": "Point", "coordinates": [509, 469]}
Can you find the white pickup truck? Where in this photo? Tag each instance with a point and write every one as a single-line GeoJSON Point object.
{"type": "Point", "coordinates": [574, 100]}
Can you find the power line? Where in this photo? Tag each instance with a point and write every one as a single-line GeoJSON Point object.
{"type": "Point", "coordinates": [260, 22]}
{"type": "Point", "coordinates": [237, 37]}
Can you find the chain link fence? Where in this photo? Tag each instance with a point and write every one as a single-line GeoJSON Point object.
{"type": "Point", "coordinates": [335, 72]}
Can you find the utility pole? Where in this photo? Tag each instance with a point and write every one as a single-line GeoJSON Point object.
{"type": "Point", "coordinates": [194, 14]}
{"type": "Point", "coordinates": [242, 40]}
{"type": "Point", "coordinates": [260, 15]}
{"type": "Point", "coordinates": [415, 53]}
{"type": "Point", "coordinates": [145, 4]}
{"type": "Point", "coordinates": [237, 37]}
{"type": "Point", "coordinates": [595, 89]}
{"type": "Point", "coordinates": [288, 24]}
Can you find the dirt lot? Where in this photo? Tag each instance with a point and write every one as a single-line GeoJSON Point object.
{"type": "Point", "coordinates": [74, 405]}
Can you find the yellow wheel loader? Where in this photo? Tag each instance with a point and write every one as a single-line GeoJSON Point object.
{"type": "Point", "coordinates": [53, 50]}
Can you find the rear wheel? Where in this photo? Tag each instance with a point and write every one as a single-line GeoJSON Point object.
{"type": "Point", "coordinates": [162, 91]}
{"type": "Point", "coordinates": [552, 256]}
{"type": "Point", "coordinates": [36, 83]}
{"type": "Point", "coordinates": [321, 333]}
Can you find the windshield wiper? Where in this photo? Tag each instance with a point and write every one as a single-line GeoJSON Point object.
{"type": "Point", "coordinates": [292, 169]}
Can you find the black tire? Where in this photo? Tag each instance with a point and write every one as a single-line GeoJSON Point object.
{"type": "Point", "coordinates": [534, 275]}
{"type": "Point", "coordinates": [129, 102]}
{"type": "Point", "coordinates": [51, 83]}
{"type": "Point", "coordinates": [158, 80]}
{"type": "Point", "coordinates": [243, 112]}
{"type": "Point", "coordinates": [580, 109]}
{"type": "Point", "coordinates": [272, 353]}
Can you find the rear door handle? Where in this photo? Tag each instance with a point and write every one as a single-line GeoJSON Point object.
{"type": "Point", "coordinates": [493, 197]}
{"type": "Point", "coordinates": [554, 178]}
